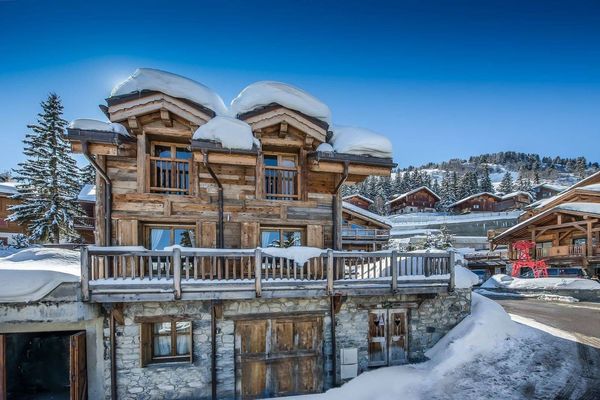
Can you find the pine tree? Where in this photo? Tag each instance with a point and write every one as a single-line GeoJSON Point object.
{"type": "Point", "coordinates": [506, 185]}
{"type": "Point", "coordinates": [580, 167]}
{"type": "Point", "coordinates": [48, 179]}
{"type": "Point", "coordinates": [88, 175]}
{"type": "Point", "coordinates": [485, 184]}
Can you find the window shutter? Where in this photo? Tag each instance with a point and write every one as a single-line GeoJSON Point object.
{"type": "Point", "coordinates": [145, 344]}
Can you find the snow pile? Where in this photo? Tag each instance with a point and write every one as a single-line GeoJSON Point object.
{"type": "Point", "coordinates": [300, 254]}
{"type": "Point", "coordinates": [31, 274]}
{"type": "Point", "coordinates": [87, 193]}
{"type": "Point", "coordinates": [230, 132]}
{"type": "Point", "coordinates": [464, 278]}
{"type": "Point", "coordinates": [360, 141]}
{"type": "Point", "coordinates": [263, 93]}
{"type": "Point", "coordinates": [8, 188]}
{"type": "Point", "coordinates": [325, 148]}
{"type": "Point", "coordinates": [86, 124]}
{"type": "Point", "coordinates": [502, 281]}
{"type": "Point", "coordinates": [173, 85]}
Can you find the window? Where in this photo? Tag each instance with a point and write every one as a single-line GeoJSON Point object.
{"type": "Point", "coordinates": [281, 176]}
{"type": "Point", "coordinates": [169, 168]}
{"type": "Point", "coordinates": [159, 237]}
{"type": "Point", "coordinates": [166, 341]}
{"type": "Point", "coordinates": [281, 237]}
{"type": "Point", "coordinates": [388, 337]}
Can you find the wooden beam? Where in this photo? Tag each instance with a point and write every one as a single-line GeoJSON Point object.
{"type": "Point", "coordinates": [165, 116]}
{"type": "Point", "coordinates": [283, 129]}
{"type": "Point", "coordinates": [563, 225]}
{"type": "Point", "coordinates": [227, 158]}
{"type": "Point", "coordinates": [354, 169]}
{"type": "Point", "coordinates": [168, 131]}
{"type": "Point", "coordinates": [141, 163]}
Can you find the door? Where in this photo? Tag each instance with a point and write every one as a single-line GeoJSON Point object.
{"type": "Point", "coordinates": [388, 337]}
{"type": "Point", "coordinates": [279, 356]}
{"type": "Point", "coordinates": [78, 367]}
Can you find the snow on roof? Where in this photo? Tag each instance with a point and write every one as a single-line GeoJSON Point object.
{"type": "Point", "coordinates": [230, 132]}
{"type": "Point", "coordinates": [360, 141]}
{"type": "Point", "coordinates": [173, 85]}
{"type": "Point", "coordinates": [472, 197]}
{"type": "Point", "coordinates": [360, 196]}
{"type": "Point", "coordinates": [517, 193]}
{"type": "Point", "coordinates": [32, 273]}
{"type": "Point", "coordinates": [592, 188]}
{"type": "Point", "coordinates": [87, 193]}
{"type": "Point", "coordinates": [583, 207]}
{"type": "Point", "coordinates": [97, 125]}
{"type": "Point", "coordinates": [325, 148]}
{"type": "Point", "coordinates": [412, 192]}
{"type": "Point", "coordinates": [9, 188]}
{"type": "Point", "coordinates": [263, 93]}
{"type": "Point", "coordinates": [365, 213]}
{"type": "Point", "coordinates": [551, 186]}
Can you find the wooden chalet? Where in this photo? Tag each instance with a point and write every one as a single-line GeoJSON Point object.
{"type": "Point", "coordinates": [421, 199]}
{"type": "Point", "coordinates": [362, 229]}
{"type": "Point", "coordinates": [8, 229]}
{"type": "Point", "coordinates": [565, 228]}
{"type": "Point", "coordinates": [358, 200]}
{"type": "Point", "coordinates": [514, 201]}
{"type": "Point", "coordinates": [86, 224]}
{"type": "Point", "coordinates": [547, 190]}
{"type": "Point", "coordinates": [196, 260]}
{"type": "Point", "coordinates": [479, 202]}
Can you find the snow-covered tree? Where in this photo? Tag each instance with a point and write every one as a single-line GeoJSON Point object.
{"type": "Point", "coordinates": [580, 167]}
{"type": "Point", "coordinates": [48, 180]}
{"type": "Point", "coordinates": [88, 175]}
{"type": "Point", "coordinates": [506, 184]}
{"type": "Point", "coordinates": [468, 184]}
{"type": "Point", "coordinates": [441, 240]}
{"type": "Point", "coordinates": [485, 184]}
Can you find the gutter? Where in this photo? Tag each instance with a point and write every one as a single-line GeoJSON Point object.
{"type": "Point", "coordinates": [334, 208]}
{"type": "Point", "coordinates": [220, 233]}
{"type": "Point", "coordinates": [107, 193]}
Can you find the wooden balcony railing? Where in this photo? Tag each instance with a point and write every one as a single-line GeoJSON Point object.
{"type": "Point", "coordinates": [281, 183]}
{"type": "Point", "coordinates": [365, 234]}
{"type": "Point", "coordinates": [126, 274]}
{"type": "Point", "coordinates": [169, 175]}
{"type": "Point", "coordinates": [84, 222]}
{"type": "Point", "coordinates": [561, 251]}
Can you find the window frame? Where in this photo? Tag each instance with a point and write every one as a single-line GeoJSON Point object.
{"type": "Point", "coordinates": [147, 336]}
{"type": "Point", "coordinates": [172, 159]}
{"type": "Point", "coordinates": [298, 175]}
{"type": "Point", "coordinates": [149, 226]}
{"type": "Point", "coordinates": [302, 231]}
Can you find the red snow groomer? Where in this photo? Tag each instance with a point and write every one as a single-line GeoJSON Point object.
{"type": "Point", "coordinates": [524, 260]}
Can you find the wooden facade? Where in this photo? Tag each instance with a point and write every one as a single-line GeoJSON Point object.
{"type": "Point", "coordinates": [8, 228]}
{"type": "Point", "coordinates": [421, 199]}
{"type": "Point", "coordinates": [358, 200]}
{"type": "Point", "coordinates": [480, 202]}
{"type": "Point", "coordinates": [546, 190]}
{"type": "Point", "coordinates": [362, 229]}
{"type": "Point", "coordinates": [514, 201]}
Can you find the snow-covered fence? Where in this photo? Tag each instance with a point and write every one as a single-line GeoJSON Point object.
{"type": "Point", "coordinates": [175, 271]}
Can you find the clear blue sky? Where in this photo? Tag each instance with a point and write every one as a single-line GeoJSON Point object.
{"type": "Point", "coordinates": [442, 79]}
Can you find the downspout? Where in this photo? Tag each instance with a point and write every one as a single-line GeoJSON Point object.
{"type": "Point", "coordinates": [335, 206]}
{"type": "Point", "coordinates": [213, 353]}
{"type": "Point", "coordinates": [107, 194]}
{"type": "Point", "coordinates": [221, 233]}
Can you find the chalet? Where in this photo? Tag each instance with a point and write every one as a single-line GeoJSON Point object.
{"type": "Point", "coordinates": [514, 201]}
{"type": "Point", "coordinates": [546, 190]}
{"type": "Point", "coordinates": [219, 263]}
{"type": "Point", "coordinates": [8, 229]}
{"type": "Point", "coordinates": [86, 224]}
{"type": "Point", "coordinates": [421, 199]}
{"type": "Point", "coordinates": [358, 200]}
{"type": "Point", "coordinates": [565, 228]}
{"type": "Point", "coordinates": [362, 229]}
{"type": "Point", "coordinates": [478, 202]}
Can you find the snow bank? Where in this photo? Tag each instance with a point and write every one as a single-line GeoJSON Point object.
{"type": "Point", "coordinates": [263, 93]}
{"type": "Point", "coordinates": [31, 274]}
{"type": "Point", "coordinates": [87, 193]}
{"type": "Point", "coordinates": [300, 254]}
{"type": "Point", "coordinates": [464, 278]}
{"type": "Point", "coordinates": [230, 132]}
{"type": "Point", "coordinates": [173, 85]}
{"type": "Point", "coordinates": [96, 125]}
{"type": "Point", "coordinates": [508, 282]}
{"type": "Point", "coordinates": [360, 141]}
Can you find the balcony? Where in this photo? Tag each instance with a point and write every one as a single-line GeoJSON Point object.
{"type": "Point", "coordinates": [124, 274]}
{"type": "Point", "coordinates": [85, 222]}
{"type": "Point", "coordinates": [169, 175]}
{"type": "Point", "coordinates": [561, 251]}
{"type": "Point", "coordinates": [349, 234]}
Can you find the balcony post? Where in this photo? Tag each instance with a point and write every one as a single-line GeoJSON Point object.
{"type": "Point", "coordinates": [329, 271]}
{"type": "Point", "coordinates": [394, 270]}
{"type": "Point", "coordinates": [257, 272]}
{"type": "Point", "coordinates": [452, 274]}
{"type": "Point", "coordinates": [85, 274]}
{"type": "Point", "coordinates": [177, 272]}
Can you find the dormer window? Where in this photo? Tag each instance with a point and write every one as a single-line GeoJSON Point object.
{"type": "Point", "coordinates": [169, 168]}
{"type": "Point", "coordinates": [281, 176]}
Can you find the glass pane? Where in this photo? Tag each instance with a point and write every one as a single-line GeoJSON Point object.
{"type": "Point", "coordinates": [185, 237]}
{"type": "Point", "coordinates": [292, 238]}
{"type": "Point", "coordinates": [288, 161]}
{"type": "Point", "coordinates": [269, 239]}
{"type": "Point", "coordinates": [270, 161]}
{"type": "Point", "coordinates": [183, 153]}
{"type": "Point", "coordinates": [162, 151]}
{"type": "Point", "coordinates": [183, 338]}
{"type": "Point", "coordinates": [159, 238]}
{"type": "Point", "coordinates": [161, 345]}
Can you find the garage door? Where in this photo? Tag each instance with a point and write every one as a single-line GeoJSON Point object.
{"type": "Point", "coordinates": [279, 356]}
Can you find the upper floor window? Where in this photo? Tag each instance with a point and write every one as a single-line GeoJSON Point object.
{"type": "Point", "coordinates": [169, 168]}
{"type": "Point", "coordinates": [281, 176]}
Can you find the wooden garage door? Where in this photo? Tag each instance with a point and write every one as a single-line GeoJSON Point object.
{"type": "Point", "coordinates": [279, 356]}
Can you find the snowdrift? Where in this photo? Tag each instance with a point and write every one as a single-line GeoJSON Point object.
{"type": "Point", "coordinates": [502, 281]}
{"type": "Point", "coordinates": [230, 132]}
{"type": "Point", "coordinates": [96, 125]}
{"type": "Point", "coordinates": [360, 142]}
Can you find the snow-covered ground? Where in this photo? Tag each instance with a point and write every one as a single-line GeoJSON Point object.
{"type": "Point", "coordinates": [502, 281]}
{"type": "Point", "coordinates": [543, 297]}
{"type": "Point", "coordinates": [486, 356]}
{"type": "Point", "coordinates": [424, 219]}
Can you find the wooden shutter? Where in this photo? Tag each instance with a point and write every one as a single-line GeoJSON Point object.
{"type": "Point", "coordinates": [377, 337]}
{"type": "Point", "coordinates": [398, 336]}
{"type": "Point", "coordinates": [78, 367]}
{"type": "Point", "coordinates": [145, 344]}
{"type": "Point", "coordinates": [314, 236]}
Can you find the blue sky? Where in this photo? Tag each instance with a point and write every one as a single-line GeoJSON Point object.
{"type": "Point", "coordinates": [442, 79]}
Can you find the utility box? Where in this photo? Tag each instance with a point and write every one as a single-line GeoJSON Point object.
{"type": "Point", "coordinates": [349, 363]}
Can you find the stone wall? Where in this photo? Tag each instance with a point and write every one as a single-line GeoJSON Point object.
{"type": "Point", "coordinates": [431, 318]}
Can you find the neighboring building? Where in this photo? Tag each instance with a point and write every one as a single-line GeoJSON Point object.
{"type": "Point", "coordinates": [479, 202]}
{"type": "Point", "coordinates": [362, 229]}
{"type": "Point", "coordinates": [546, 190]}
{"type": "Point", "coordinates": [86, 225]}
{"type": "Point", "coordinates": [514, 201]}
{"type": "Point", "coordinates": [421, 199]}
{"type": "Point", "coordinates": [358, 200]}
{"type": "Point", "coordinates": [485, 264]}
{"type": "Point", "coordinates": [565, 228]}
{"type": "Point", "coordinates": [8, 229]}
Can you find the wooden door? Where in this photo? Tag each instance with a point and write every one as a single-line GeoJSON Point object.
{"type": "Point", "coordinates": [279, 357]}
{"type": "Point", "coordinates": [78, 367]}
{"type": "Point", "coordinates": [3, 388]}
{"type": "Point", "coordinates": [388, 337]}
{"type": "Point", "coordinates": [398, 336]}
{"type": "Point", "coordinates": [378, 349]}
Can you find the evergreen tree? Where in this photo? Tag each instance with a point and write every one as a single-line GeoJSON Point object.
{"type": "Point", "coordinates": [436, 187]}
{"type": "Point", "coordinates": [48, 179]}
{"type": "Point", "coordinates": [506, 185]}
{"type": "Point", "coordinates": [485, 184]}
{"type": "Point", "coordinates": [88, 175]}
{"type": "Point", "coordinates": [580, 167]}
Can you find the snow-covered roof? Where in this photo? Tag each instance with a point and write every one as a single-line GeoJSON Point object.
{"type": "Point", "coordinates": [360, 141]}
{"type": "Point", "coordinates": [400, 197]}
{"type": "Point", "coordinates": [264, 93]}
{"type": "Point", "coordinates": [582, 184]}
{"type": "Point", "coordinates": [87, 193]}
{"type": "Point", "coordinates": [31, 274]}
{"type": "Point", "coordinates": [595, 187]}
{"type": "Point", "coordinates": [8, 188]}
{"type": "Point", "coordinates": [472, 197]}
{"type": "Point", "coordinates": [230, 132]}
{"type": "Point", "coordinates": [365, 213]}
{"type": "Point", "coordinates": [517, 193]}
{"type": "Point", "coordinates": [551, 186]}
{"type": "Point", "coordinates": [360, 196]}
{"type": "Point", "coordinates": [88, 124]}
{"type": "Point", "coordinates": [172, 84]}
